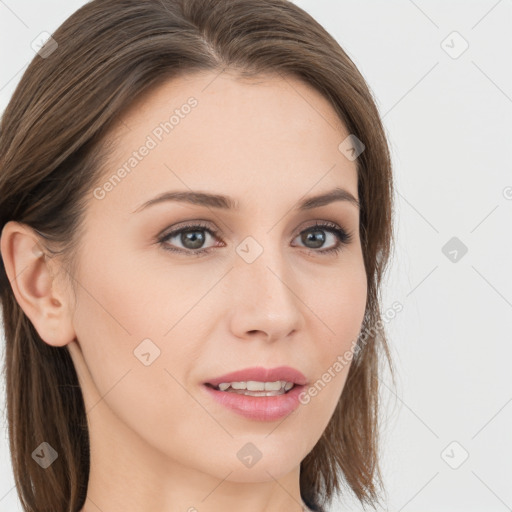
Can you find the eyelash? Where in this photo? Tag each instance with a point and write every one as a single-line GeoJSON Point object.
{"type": "Point", "coordinates": [344, 238]}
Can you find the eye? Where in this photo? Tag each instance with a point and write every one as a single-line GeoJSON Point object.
{"type": "Point", "coordinates": [192, 238]}
{"type": "Point", "coordinates": [315, 235]}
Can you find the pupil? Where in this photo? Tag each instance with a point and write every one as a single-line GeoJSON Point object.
{"type": "Point", "coordinates": [191, 236]}
{"type": "Point", "coordinates": [318, 240]}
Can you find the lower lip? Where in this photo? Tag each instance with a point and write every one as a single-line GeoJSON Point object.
{"type": "Point", "coordinates": [260, 408]}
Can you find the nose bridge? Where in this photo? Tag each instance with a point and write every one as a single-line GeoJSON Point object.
{"type": "Point", "coordinates": [269, 280]}
{"type": "Point", "coordinates": [264, 264]}
{"type": "Point", "coordinates": [266, 300]}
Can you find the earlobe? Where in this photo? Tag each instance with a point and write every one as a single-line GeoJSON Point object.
{"type": "Point", "coordinates": [31, 275]}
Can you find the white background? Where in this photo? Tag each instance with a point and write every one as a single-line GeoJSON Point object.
{"type": "Point", "coordinates": [448, 122]}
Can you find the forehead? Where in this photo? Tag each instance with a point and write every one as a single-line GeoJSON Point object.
{"type": "Point", "coordinates": [222, 133]}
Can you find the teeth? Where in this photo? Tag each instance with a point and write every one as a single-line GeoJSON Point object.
{"type": "Point", "coordinates": [254, 386]}
{"type": "Point", "coordinates": [274, 386]}
{"type": "Point", "coordinates": [258, 393]}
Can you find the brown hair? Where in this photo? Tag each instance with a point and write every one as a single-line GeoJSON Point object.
{"type": "Point", "coordinates": [52, 147]}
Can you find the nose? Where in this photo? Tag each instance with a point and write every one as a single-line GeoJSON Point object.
{"type": "Point", "coordinates": [264, 303]}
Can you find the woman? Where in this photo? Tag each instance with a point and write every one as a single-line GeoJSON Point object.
{"type": "Point", "coordinates": [196, 217]}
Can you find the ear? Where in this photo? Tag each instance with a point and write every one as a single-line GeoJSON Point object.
{"type": "Point", "coordinates": [31, 274]}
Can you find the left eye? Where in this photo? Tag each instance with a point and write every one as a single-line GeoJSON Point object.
{"type": "Point", "coordinates": [192, 237]}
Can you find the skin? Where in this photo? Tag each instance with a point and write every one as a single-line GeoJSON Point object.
{"type": "Point", "coordinates": [158, 442]}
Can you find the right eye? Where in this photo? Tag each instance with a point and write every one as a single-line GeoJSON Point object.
{"type": "Point", "coordinates": [191, 237]}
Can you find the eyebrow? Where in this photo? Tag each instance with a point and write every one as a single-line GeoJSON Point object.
{"type": "Point", "coordinates": [228, 203]}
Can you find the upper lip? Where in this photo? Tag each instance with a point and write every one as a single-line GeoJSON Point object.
{"type": "Point", "coordinates": [261, 374]}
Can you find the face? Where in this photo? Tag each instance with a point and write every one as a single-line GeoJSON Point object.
{"type": "Point", "coordinates": [173, 294]}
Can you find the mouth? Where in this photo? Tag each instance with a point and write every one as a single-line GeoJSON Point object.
{"type": "Point", "coordinates": [255, 388]}
{"type": "Point", "coordinates": [258, 393]}
{"type": "Point", "coordinates": [258, 381]}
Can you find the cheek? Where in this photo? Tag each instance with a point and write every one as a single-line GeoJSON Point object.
{"type": "Point", "coordinates": [115, 312]}
{"type": "Point", "coordinates": [126, 318]}
{"type": "Point", "coordinates": [340, 309]}
{"type": "Point", "coordinates": [338, 314]}
{"type": "Point", "coordinates": [121, 329]}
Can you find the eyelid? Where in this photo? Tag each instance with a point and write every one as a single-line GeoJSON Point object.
{"type": "Point", "coordinates": [208, 225]}
{"type": "Point", "coordinates": [343, 235]}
